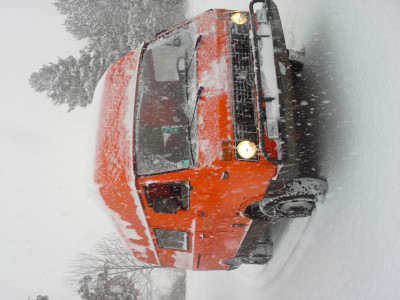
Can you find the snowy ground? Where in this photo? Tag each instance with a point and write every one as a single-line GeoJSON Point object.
{"type": "Point", "coordinates": [349, 248]}
{"type": "Point", "coordinates": [47, 212]}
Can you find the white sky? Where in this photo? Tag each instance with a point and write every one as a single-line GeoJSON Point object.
{"type": "Point", "coordinates": [47, 210]}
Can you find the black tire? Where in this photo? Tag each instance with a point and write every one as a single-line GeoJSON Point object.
{"type": "Point", "coordinates": [296, 66]}
{"type": "Point", "coordinates": [288, 207]}
{"type": "Point", "coordinates": [297, 200]}
{"type": "Point", "coordinates": [233, 263]}
{"type": "Point", "coordinates": [296, 59]}
{"type": "Point", "coordinates": [253, 212]}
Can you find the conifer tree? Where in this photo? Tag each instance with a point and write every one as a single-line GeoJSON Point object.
{"type": "Point", "coordinates": [112, 28]}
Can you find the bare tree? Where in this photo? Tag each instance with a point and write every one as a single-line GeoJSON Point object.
{"type": "Point", "coordinates": [111, 272]}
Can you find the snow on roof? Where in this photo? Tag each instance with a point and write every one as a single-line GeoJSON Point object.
{"type": "Point", "coordinates": [114, 164]}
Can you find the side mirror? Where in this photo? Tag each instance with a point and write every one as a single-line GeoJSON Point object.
{"type": "Point", "coordinates": [181, 66]}
{"type": "Point", "coordinates": [177, 42]}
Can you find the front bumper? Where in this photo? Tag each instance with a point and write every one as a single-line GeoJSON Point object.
{"type": "Point", "coordinates": [263, 91]}
{"type": "Point", "coordinates": [275, 105]}
{"type": "Point", "coordinates": [275, 92]}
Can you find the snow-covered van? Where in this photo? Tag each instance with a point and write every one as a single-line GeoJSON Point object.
{"type": "Point", "coordinates": [197, 145]}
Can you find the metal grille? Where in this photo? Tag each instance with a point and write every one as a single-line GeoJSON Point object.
{"type": "Point", "coordinates": [245, 132]}
{"type": "Point", "coordinates": [243, 85]}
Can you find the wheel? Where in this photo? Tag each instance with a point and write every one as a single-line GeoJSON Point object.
{"type": "Point", "coordinates": [297, 67]}
{"type": "Point", "coordinates": [256, 260]}
{"type": "Point", "coordinates": [308, 186]}
{"type": "Point", "coordinates": [296, 59]}
{"type": "Point", "coordinates": [253, 212]}
{"type": "Point", "coordinates": [298, 199]}
{"type": "Point", "coordinates": [260, 255]}
{"type": "Point", "coordinates": [288, 207]}
{"type": "Point", "coordinates": [233, 263]}
{"type": "Point", "coordinates": [296, 207]}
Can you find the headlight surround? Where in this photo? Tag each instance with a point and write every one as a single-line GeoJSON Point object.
{"type": "Point", "coordinates": [246, 149]}
{"type": "Point", "coordinates": [239, 18]}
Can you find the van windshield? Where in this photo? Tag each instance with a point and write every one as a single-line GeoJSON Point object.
{"type": "Point", "coordinates": [165, 134]}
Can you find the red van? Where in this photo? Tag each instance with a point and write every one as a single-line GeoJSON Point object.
{"type": "Point", "coordinates": [197, 145]}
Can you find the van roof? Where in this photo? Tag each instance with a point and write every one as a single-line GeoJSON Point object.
{"type": "Point", "coordinates": [114, 160]}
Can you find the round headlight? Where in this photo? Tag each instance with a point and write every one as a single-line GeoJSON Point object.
{"type": "Point", "coordinates": [239, 18]}
{"type": "Point", "coordinates": [246, 149]}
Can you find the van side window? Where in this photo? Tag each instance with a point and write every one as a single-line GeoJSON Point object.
{"type": "Point", "coordinates": [168, 198]}
{"type": "Point", "coordinates": [172, 239]}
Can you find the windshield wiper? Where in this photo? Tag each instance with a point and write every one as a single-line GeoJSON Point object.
{"type": "Point", "coordinates": [196, 45]}
{"type": "Point", "coordinates": [199, 92]}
